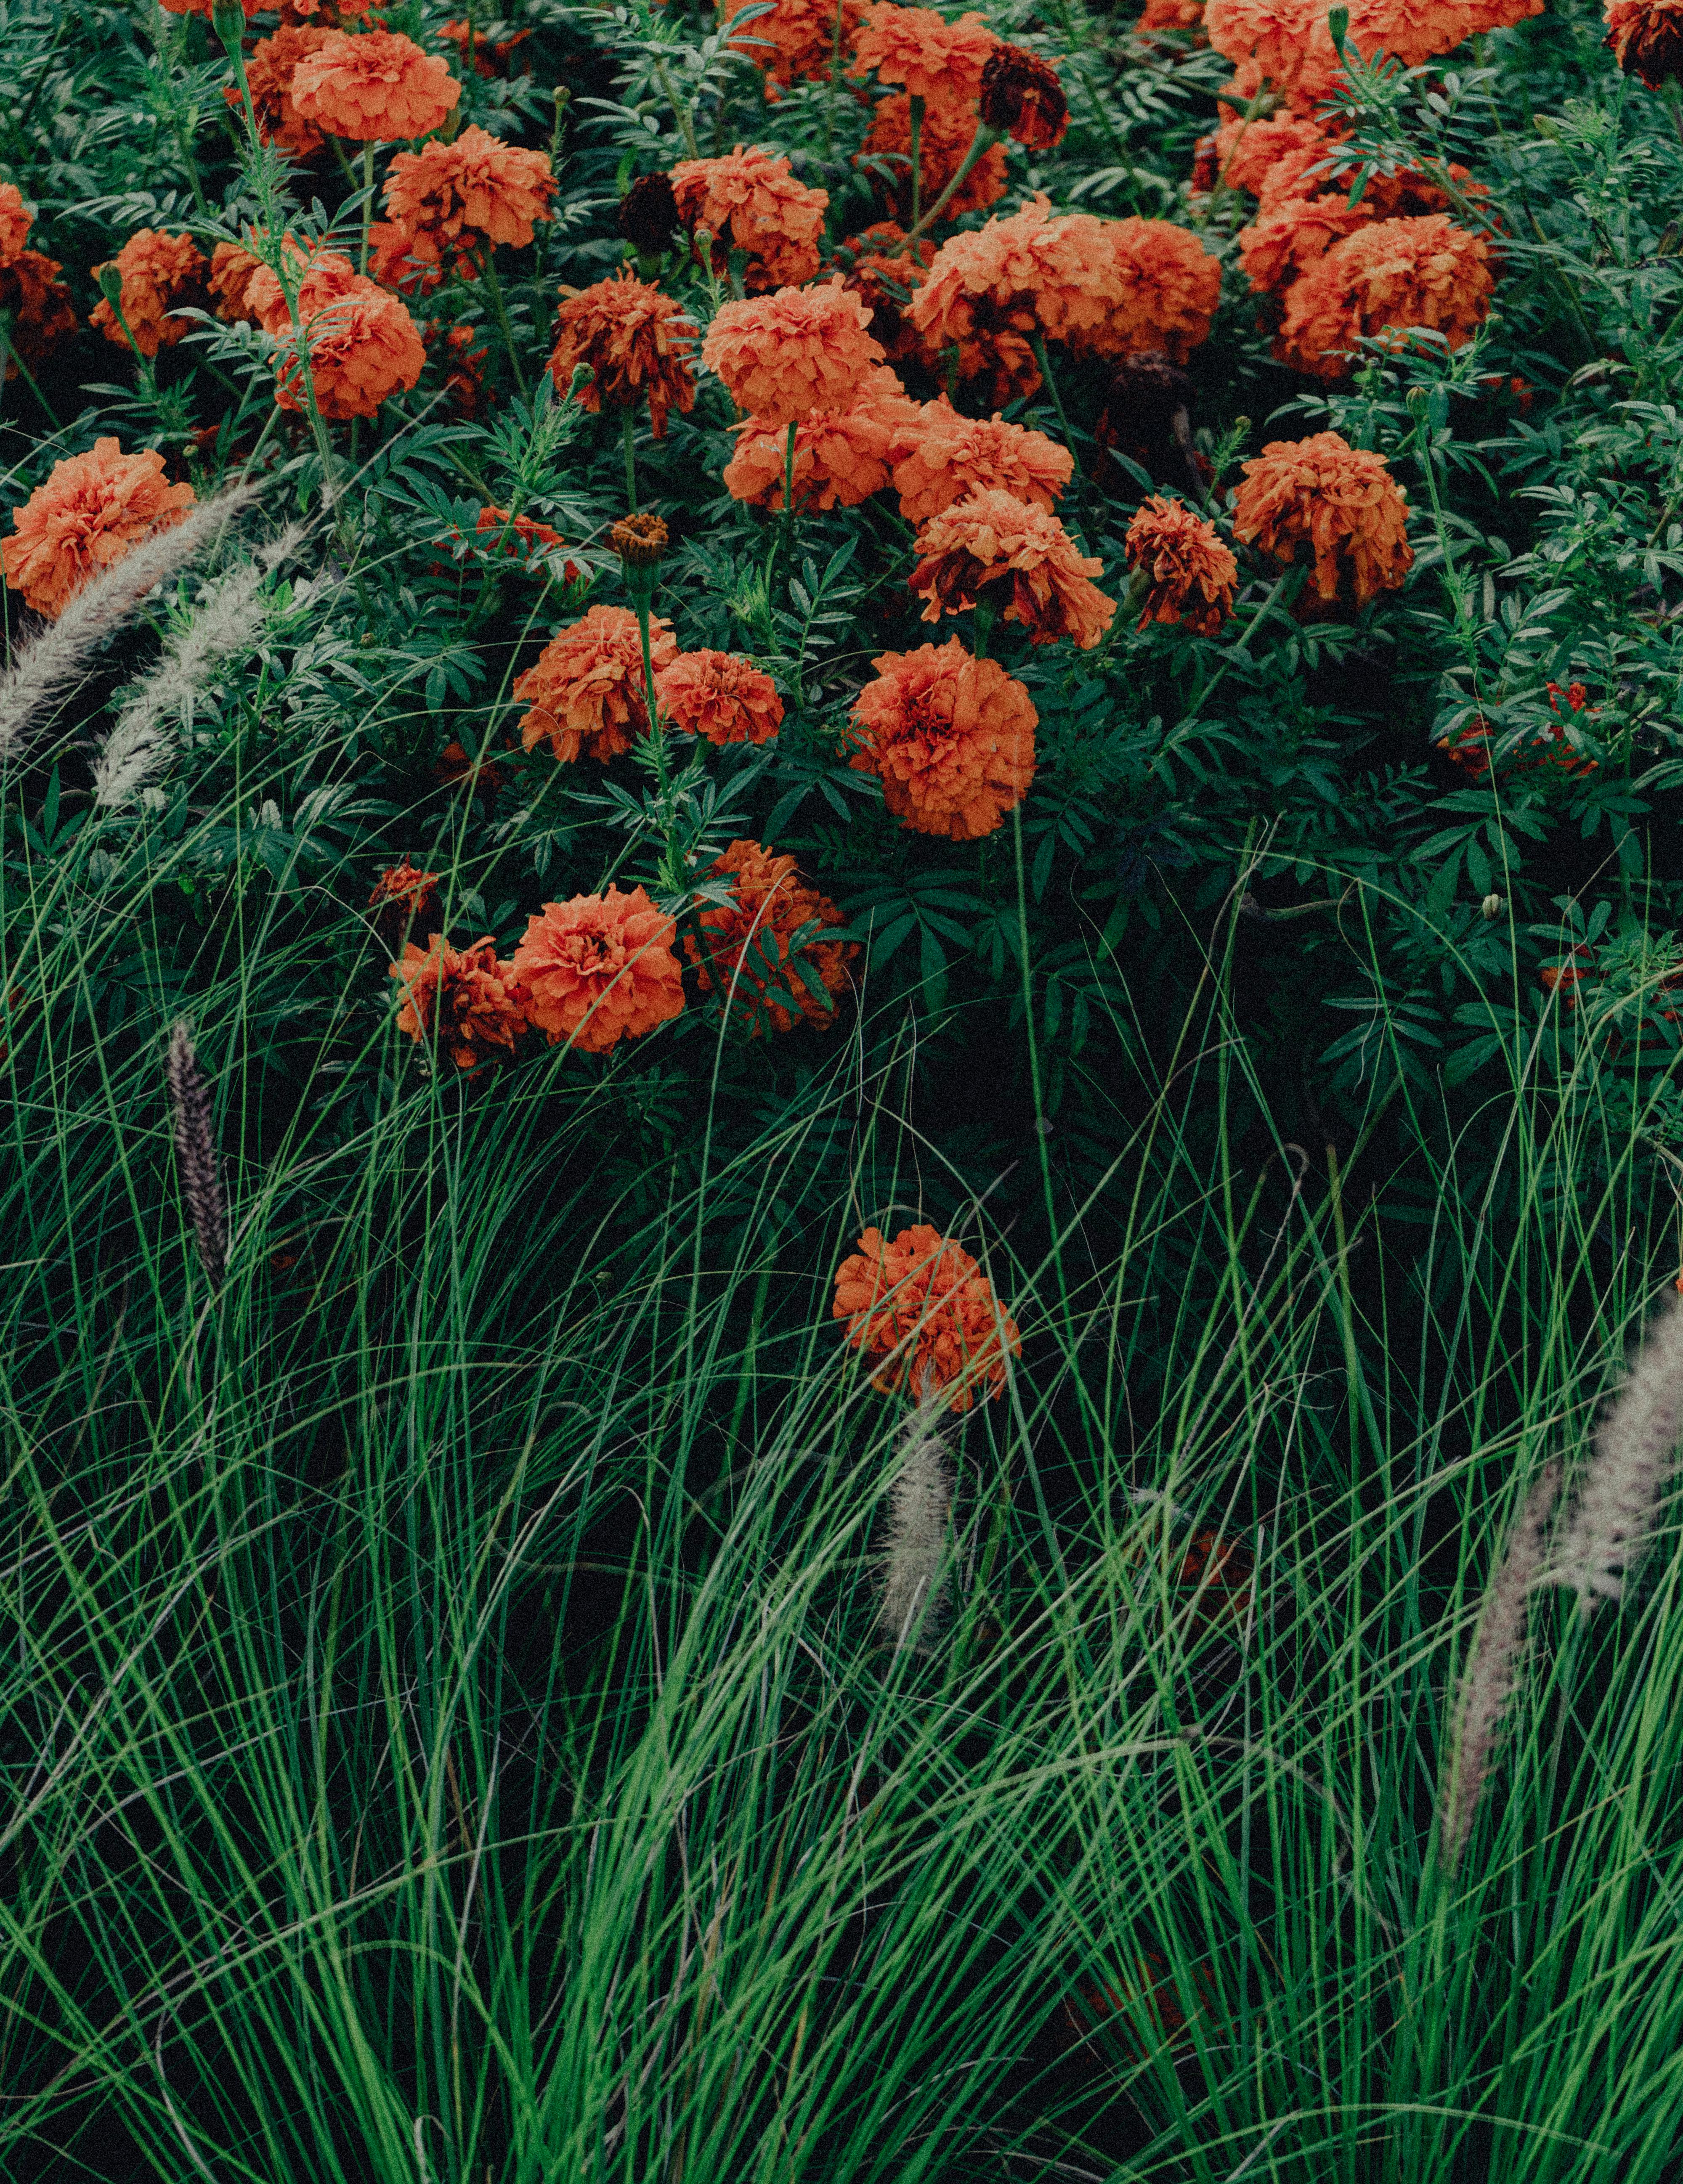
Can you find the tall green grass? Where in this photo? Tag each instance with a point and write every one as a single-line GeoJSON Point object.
{"type": "Point", "coordinates": [446, 1731]}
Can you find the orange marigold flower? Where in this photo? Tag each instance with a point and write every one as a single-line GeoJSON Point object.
{"type": "Point", "coordinates": [751, 201]}
{"type": "Point", "coordinates": [268, 69]}
{"type": "Point", "coordinates": [841, 456]}
{"type": "Point", "coordinates": [476, 189]}
{"type": "Point", "coordinates": [942, 144]}
{"type": "Point", "coordinates": [599, 969]}
{"type": "Point", "coordinates": [930, 57]}
{"type": "Point", "coordinates": [785, 355]}
{"type": "Point", "coordinates": [158, 271]}
{"type": "Point", "coordinates": [40, 304]}
{"type": "Point", "coordinates": [1190, 574]}
{"type": "Point", "coordinates": [951, 738]}
{"type": "Point", "coordinates": [362, 347]}
{"type": "Point", "coordinates": [1295, 233]}
{"type": "Point", "coordinates": [636, 341]}
{"type": "Point", "coordinates": [1163, 286]}
{"type": "Point", "coordinates": [754, 955]}
{"type": "Point", "coordinates": [1413, 31]}
{"type": "Point", "coordinates": [405, 902]}
{"type": "Point", "coordinates": [232, 266]}
{"type": "Point", "coordinates": [1172, 15]}
{"type": "Point", "coordinates": [205, 7]}
{"type": "Point", "coordinates": [1646, 38]}
{"type": "Point", "coordinates": [90, 512]}
{"type": "Point", "coordinates": [1284, 42]}
{"type": "Point", "coordinates": [884, 269]}
{"type": "Point", "coordinates": [718, 695]}
{"type": "Point", "coordinates": [462, 997]}
{"type": "Point", "coordinates": [374, 87]}
{"type": "Point", "coordinates": [1285, 156]}
{"type": "Point", "coordinates": [16, 219]}
{"type": "Point", "coordinates": [1385, 280]}
{"type": "Point", "coordinates": [452, 346]}
{"type": "Point", "coordinates": [1020, 97]}
{"type": "Point", "coordinates": [317, 277]}
{"type": "Point", "coordinates": [796, 40]}
{"type": "Point", "coordinates": [585, 691]}
{"type": "Point", "coordinates": [413, 264]}
{"type": "Point", "coordinates": [948, 457]}
{"type": "Point", "coordinates": [524, 538]}
{"type": "Point", "coordinates": [1342, 501]}
{"type": "Point", "coordinates": [923, 1305]}
{"type": "Point", "coordinates": [993, 538]}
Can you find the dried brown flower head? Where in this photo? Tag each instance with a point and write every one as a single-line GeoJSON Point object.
{"type": "Point", "coordinates": [638, 540]}
{"type": "Point", "coordinates": [647, 216]}
{"type": "Point", "coordinates": [1022, 97]}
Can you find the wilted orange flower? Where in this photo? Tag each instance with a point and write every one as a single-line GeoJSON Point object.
{"type": "Point", "coordinates": [524, 538]}
{"type": "Point", "coordinates": [930, 58]}
{"type": "Point", "coordinates": [923, 1305]}
{"type": "Point", "coordinates": [751, 201]}
{"type": "Point", "coordinates": [992, 539]}
{"type": "Point", "coordinates": [374, 86]}
{"type": "Point", "coordinates": [1020, 97]}
{"type": "Point", "coordinates": [948, 457]}
{"type": "Point", "coordinates": [476, 189]}
{"type": "Point", "coordinates": [751, 953]}
{"type": "Point", "coordinates": [951, 738]}
{"type": "Point", "coordinates": [797, 39]}
{"type": "Point", "coordinates": [88, 514]}
{"type": "Point", "coordinates": [16, 219]}
{"type": "Point", "coordinates": [462, 997]}
{"type": "Point", "coordinates": [40, 308]}
{"type": "Point", "coordinates": [1342, 501]}
{"type": "Point", "coordinates": [718, 695]}
{"type": "Point", "coordinates": [1190, 573]}
{"type": "Point", "coordinates": [599, 969]}
{"type": "Point", "coordinates": [158, 271]}
{"type": "Point", "coordinates": [945, 139]}
{"type": "Point", "coordinates": [1295, 233]}
{"type": "Point", "coordinates": [1646, 38]}
{"type": "Point", "coordinates": [363, 347]}
{"type": "Point", "coordinates": [785, 355]}
{"type": "Point", "coordinates": [232, 266]}
{"type": "Point", "coordinates": [1384, 280]}
{"type": "Point", "coordinates": [317, 277]}
{"type": "Point", "coordinates": [268, 69]}
{"type": "Point", "coordinates": [405, 903]}
{"type": "Point", "coordinates": [841, 456]}
{"type": "Point", "coordinates": [585, 690]}
{"type": "Point", "coordinates": [637, 341]}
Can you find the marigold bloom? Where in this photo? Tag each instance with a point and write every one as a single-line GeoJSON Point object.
{"type": "Point", "coordinates": [374, 86]}
{"type": "Point", "coordinates": [942, 144]}
{"type": "Point", "coordinates": [476, 189]}
{"type": "Point", "coordinates": [1414, 31]}
{"type": "Point", "coordinates": [1342, 501]}
{"type": "Point", "coordinates": [1172, 15]}
{"type": "Point", "coordinates": [1020, 97]}
{"type": "Point", "coordinates": [751, 954]}
{"type": "Point", "coordinates": [637, 341]}
{"type": "Point", "coordinates": [923, 1305]}
{"type": "Point", "coordinates": [585, 691]}
{"type": "Point", "coordinates": [463, 383]}
{"type": "Point", "coordinates": [489, 60]}
{"type": "Point", "coordinates": [930, 57]}
{"type": "Point", "coordinates": [524, 540]}
{"type": "Point", "coordinates": [16, 219]}
{"type": "Point", "coordinates": [405, 903]}
{"type": "Point", "coordinates": [785, 355]}
{"type": "Point", "coordinates": [751, 201]}
{"type": "Point", "coordinates": [599, 969]}
{"type": "Point", "coordinates": [841, 456]}
{"type": "Point", "coordinates": [413, 264]}
{"type": "Point", "coordinates": [951, 738]}
{"type": "Point", "coordinates": [884, 269]}
{"type": "Point", "coordinates": [158, 271]}
{"type": "Point", "coordinates": [1385, 280]}
{"type": "Point", "coordinates": [1646, 38]}
{"type": "Point", "coordinates": [948, 457]}
{"type": "Point", "coordinates": [1164, 287]}
{"type": "Point", "coordinates": [1191, 574]}
{"type": "Point", "coordinates": [462, 997]}
{"type": "Point", "coordinates": [994, 539]}
{"type": "Point", "coordinates": [718, 695]}
{"type": "Point", "coordinates": [1284, 42]}
{"type": "Point", "coordinates": [1285, 156]}
{"type": "Point", "coordinates": [1295, 233]}
{"type": "Point", "coordinates": [796, 40]}
{"type": "Point", "coordinates": [268, 69]}
{"type": "Point", "coordinates": [91, 511]}
{"type": "Point", "coordinates": [232, 266]}
{"type": "Point", "coordinates": [40, 304]}
{"type": "Point", "coordinates": [317, 277]}
{"type": "Point", "coordinates": [363, 347]}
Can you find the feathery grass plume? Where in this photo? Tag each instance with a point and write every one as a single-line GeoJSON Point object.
{"type": "Point", "coordinates": [43, 666]}
{"type": "Point", "coordinates": [227, 621]}
{"type": "Point", "coordinates": [195, 1153]}
{"type": "Point", "coordinates": [914, 1567]}
{"type": "Point", "coordinates": [1635, 1450]}
{"type": "Point", "coordinates": [1493, 1666]}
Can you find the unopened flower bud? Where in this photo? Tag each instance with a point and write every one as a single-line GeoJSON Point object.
{"type": "Point", "coordinates": [110, 283]}
{"type": "Point", "coordinates": [1492, 905]}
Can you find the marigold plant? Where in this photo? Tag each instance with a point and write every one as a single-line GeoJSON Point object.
{"type": "Point", "coordinates": [841, 456]}
{"type": "Point", "coordinates": [1190, 573]}
{"type": "Point", "coordinates": [362, 347]}
{"type": "Point", "coordinates": [463, 998]}
{"type": "Point", "coordinates": [269, 70]}
{"type": "Point", "coordinates": [921, 1305]}
{"type": "Point", "coordinates": [749, 201]}
{"type": "Point", "coordinates": [472, 191]}
{"type": "Point", "coordinates": [637, 342]}
{"type": "Point", "coordinates": [1385, 281]}
{"type": "Point", "coordinates": [92, 511]}
{"type": "Point", "coordinates": [783, 356]}
{"type": "Point", "coordinates": [922, 53]}
{"type": "Point", "coordinates": [1022, 557]}
{"type": "Point", "coordinates": [944, 143]}
{"type": "Point", "coordinates": [1342, 501]}
{"type": "Point", "coordinates": [598, 969]}
{"type": "Point", "coordinates": [951, 738]}
{"type": "Point", "coordinates": [374, 86]}
{"type": "Point", "coordinates": [719, 696]}
{"type": "Point", "coordinates": [765, 953]}
{"type": "Point", "coordinates": [798, 38]}
{"type": "Point", "coordinates": [585, 692]}
{"type": "Point", "coordinates": [158, 272]}
{"type": "Point", "coordinates": [948, 457]}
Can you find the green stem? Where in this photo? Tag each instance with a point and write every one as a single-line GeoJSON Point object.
{"type": "Point", "coordinates": [628, 433]}
{"type": "Point", "coordinates": [830, 92]}
{"type": "Point", "coordinates": [1077, 479]}
{"type": "Point", "coordinates": [917, 105]}
{"type": "Point", "coordinates": [367, 201]}
{"type": "Point", "coordinates": [1041, 1128]}
{"type": "Point", "coordinates": [985, 139]}
{"type": "Point", "coordinates": [494, 289]}
{"type": "Point", "coordinates": [8, 353]}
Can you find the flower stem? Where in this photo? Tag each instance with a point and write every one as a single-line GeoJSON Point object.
{"type": "Point", "coordinates": [1078, 479]}
{"type": "Point", "coordinates": [1042, 1129]}
{"type": "Point", "coordinates": [985, 139]}
{"type": "Point", "coordinates": [494, 289]}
